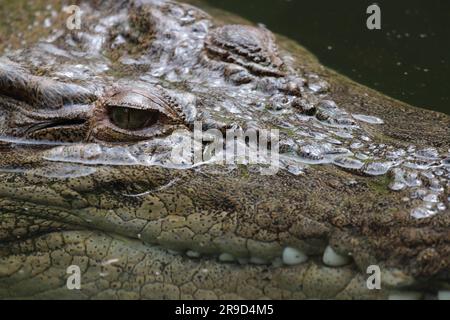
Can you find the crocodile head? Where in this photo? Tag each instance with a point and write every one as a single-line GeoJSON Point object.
{"type": "Point", "coordinates": [89, 123]}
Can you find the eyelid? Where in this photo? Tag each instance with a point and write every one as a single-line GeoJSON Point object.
{"type": "Point", "coordinates": [138, 99]}
{"type": "Point", "coordinates": [170, 115]}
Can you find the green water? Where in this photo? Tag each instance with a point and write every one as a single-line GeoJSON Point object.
{"type": "Point", "coordinates": [409, 58]}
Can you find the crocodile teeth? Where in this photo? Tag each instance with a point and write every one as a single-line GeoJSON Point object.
{"type": "Point", "coordinates": [193, 254]}
{"type": "Point", "coordinates": [226, 257]}
{"type": "Point", "coordinates": [444, 295]}
{"type": "Point", "coordinates": [333, 259]}
{"type": "Point", "coordinates": [292, 256]}
{"type": "Point", "coordinates": [405, 295]}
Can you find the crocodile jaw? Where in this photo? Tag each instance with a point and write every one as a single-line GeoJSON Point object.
{"type": "Point", "coordinates": [159, 245]}
{"type": "Point", "coordinates": [114, 267]}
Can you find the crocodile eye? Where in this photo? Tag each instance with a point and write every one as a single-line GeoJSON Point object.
{"type": "Point", "coordinates": [132, 119]}
{"type": "Point", "coordinates": [132, 114]}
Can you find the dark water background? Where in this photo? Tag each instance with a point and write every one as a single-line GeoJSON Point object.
{"type": "Point", "coordinates": [408, 59]}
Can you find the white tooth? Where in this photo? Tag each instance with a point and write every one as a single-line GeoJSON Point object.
{"type": "Point", "coordinates": [292, 256]}
{"type": "Point", "coordinates": [176, 252]}
{"type": "Point", "coordinates": [243, 260]}
{"type": "Point", "coordinates": [405, 295]}
{"type": "Point", "coordinates": [256, 260]}
{"type": "Point", "coordinates": [193, 254]}
{"type": "Point", "coordinates": [444, 295]}
{"type": "Point", "coordinates": [226, 257]}
{"type": "Point", "coordinates": [333, 259]}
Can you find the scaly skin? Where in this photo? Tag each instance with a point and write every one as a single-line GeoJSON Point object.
{"type": "Point", "coordinates": [88, 119]}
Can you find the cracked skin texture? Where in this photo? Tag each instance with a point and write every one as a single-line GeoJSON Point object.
{"type": "Point", "coordinates": [120, 242]}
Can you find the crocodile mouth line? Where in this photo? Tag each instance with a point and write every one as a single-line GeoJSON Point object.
{"type": "Point", "coordinates": [329, 267]}
{"type": "Point", "coordinates": [291, 257]}
{"type": "Point", "coordinates": [330, 260]}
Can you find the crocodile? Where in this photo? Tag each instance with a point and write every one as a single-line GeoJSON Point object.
{"type": "Point", "coordinates": [358, 207]}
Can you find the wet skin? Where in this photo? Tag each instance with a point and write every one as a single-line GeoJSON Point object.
{"type": "Point", "coordinates": [89, 118]}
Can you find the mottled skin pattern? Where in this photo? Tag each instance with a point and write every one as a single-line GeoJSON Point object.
{"type": "Point", "coordinates": [129, 226]}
